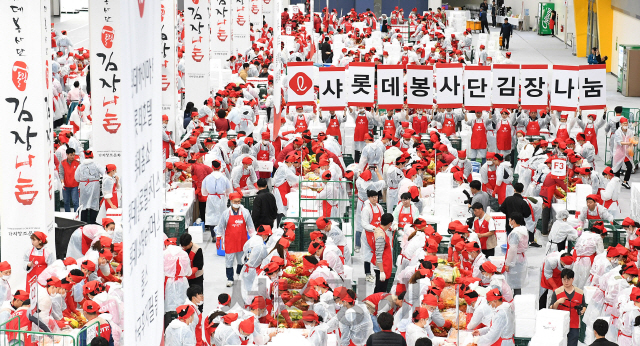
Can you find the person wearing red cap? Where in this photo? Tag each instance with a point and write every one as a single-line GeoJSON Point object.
{"type": "Point", "coordinates": [628, 332]}
{"type": "Point", "coordinates": [88, 175]}
{"type": "Point", "coordinates": [594, 210]}
{"type": "Point", "coordinates": [244, 176]}
{"type": "Point", "coordinates": [37, 258]}
{"type": "Point", "coordinates": [283, 179]}
{"type": "Point", "coordinates": [630, 226]}
{"type": "Point", "coordinates": [20, 307]}
{"type": "Point", "coordinates": [110, 187]}
{"type": "Point", "coordinates": [611, 192]}
{"type": "Point", "coordinates": [234, 225]}
{"type": "Point", "coordinates": [168, 144]}
{"type": "Point", "coordinates": [488, 175]}
{"type": "Point", "coordinates": [418, 329]}
{"type": "Point", "coordinates": [66, 171]}
{"type": "Point", "coordinates": [550, 278]}
{"type": "Point", "coordinates": [364, 122]}
{"type": "Point", "coordinates": [257, 251]}
{"type": "Point", "coordinates": [216, 187]}
{"type": "Point", "coordinates": [501, 329]}
{"type": "Point", "coordinates": [264, 151]}
{"type": "Point", "coordinates": [5, 288]}
{"type": "Point", "coordinates": [179, 331]}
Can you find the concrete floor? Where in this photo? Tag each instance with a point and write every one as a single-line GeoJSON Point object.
{"type": "Point", "coordinates": [526, 48]}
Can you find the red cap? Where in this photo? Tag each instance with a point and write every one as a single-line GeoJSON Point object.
{"type": "Point", "coordinates": [69, 261]}
{"type": "Point", "coordinates": [106, 221]}
{"type": "Point", "coordinates": [41, 236]}
{"type": "Point", "coordinates": [322, 222]}
{"type": "Point", "coordinates": [247, 325]}
{"type": "Point", "coordinates": [235, 195]}
{"type": "Point", "coordinates": [21, 295]}
{"type": "Point", "coordinates": [568, 260]}
{"type": "Point", "coordinates": [88, 265]}
{"type": "Point", "coordinates": [247, 160]}
{"type": "Point", "coordinates": [258, 303]}
{"type": "Point", "coordinates": [230, 318]}
{"type": "Point", "coordinates": [635, 294]}
{"type": "Point", "coordinates": [430, 299]}
{"type": "Point", "coordinates": [423, 314]}
{"type": "Point", "coordinates": [489, 267]}
{"type": "Point", "coordinates": [628, 222]}
{"type": "Point", "coordinates": [4, 266]}
{"type": "Point", "coordinates": [494, 294]}
{"type": "Point", "coordinates": [90, 306]}
{"type": "Point", "coordinates": [185, 311]}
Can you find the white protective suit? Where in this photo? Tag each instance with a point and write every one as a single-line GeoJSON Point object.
{"type": "Point", "coordinates": [88, 232]}
{"type": "Point", "coordinates": [518, 243]}
{"type": "Point", "coordinates": [255, 250]}
{"type": "Point", "coordinates": [362, 186]}
{"type": "Point", "coordinates": [620, 152]}
{"type": "Point", "coordinates": [560, 231]}
{"type": "Point", "coordinates": [354, 327]}
{"type": "Point", "coordinates": [88, 175]}
{"type": "Point", "coordinates": [107, 192]}
{"type": "Point", "coordinates": [611, 192]}
{"type": "Point", "coordinates": [588, 244]}
{"type": "Point", "coordinates": [502, 326]}
{"type": "Point", "coordinates": [177, 267]}
{"type": "Point", "coordinates": [216, 187]}
{"type": "Point", "coordinates": [414, 332]}
{"type": "Point", "coordinates": [614, 285]}
{"type": "Point", "coordinates": [626, 323]}
{"type": "Point", "coordinates": [179, 333]}
{"type": "Point", "coordinates": [482, 313]}
{"type": "Point", "coordinates": [5, 291]}
{"type": "Point", "coordinates": [284, 174]}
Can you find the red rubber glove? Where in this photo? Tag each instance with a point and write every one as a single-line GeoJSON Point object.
{"type": "Point", "coordinates": [255, 185]}
{"type": "Point", "coordinates": [287, 319]}
{"type": "Point", "coordinates": [294, 300]}
{"type": "Point", "coordinates": [440, 306]}
{"type": "Point", "coordinates": [291, 277]}
{"type": "Point", "coordinates": [194, 270]}
{"type": "Point", "coordinates": [447, 325]}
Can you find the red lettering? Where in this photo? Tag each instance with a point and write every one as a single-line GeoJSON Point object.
{"type": "Point", "coordinates": [111, 123]}
{"type": "Point", "coordinates": [21, 193]}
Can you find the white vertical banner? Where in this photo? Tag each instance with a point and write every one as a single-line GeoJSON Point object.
{"type": "Point", "coordinates": [360, 82]}
{"type": "Point", "coordinates": [390, 86]}
{"type": "Point", "coordinates": [533, 86]}
{"type": "Point", "coordinates": [196, 41]}
{"type": "Point", "coordinates": [449, 85]}
{"type": "Point", "coordinates": [168, 13]}
{"type": "Point", "coordinates": [141, 173]}
{"type": "Point", "coordinates": [420, 89]}
{"type": "Point", "coordinates": [593, 86]}
{"type": "Point", "coordinates": [268, 12]}
{"type": "Point", "coordinates": [240, 25]}
{"type": "Point", "coordinates": [477, 88]}
{"type": "Point", "coordinates": [564, 88]}
{"type": "Point", "coordinates": [221, 29]}
{"type": "Point", "coordinates": [506, 85]}
{"type": "Point", "coordinates": [255, 14]}
{"type": "Point", "coordinates": [277, 75]}
{"type": "Point", "coordinates": [333, 90]}
{"type": "Point", "coordinates": [105, 37]}
{"type": "Point", "coordinates": [27, 132]}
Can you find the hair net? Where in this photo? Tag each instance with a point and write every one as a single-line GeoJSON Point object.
{"type": "Point", "coordinates": [561, 215]}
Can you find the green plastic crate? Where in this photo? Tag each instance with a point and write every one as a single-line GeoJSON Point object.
{"type": "Point", "coordinates": [456, 143]}
{"type": "Point", "coordinates": [85, 143]}
{"type": "Point", "coordinates": [521, 341]}
{"type": "Point", "coordinates": [247, 202]}
{"type": "Point", "coordinates": [391, 278]}
{"type": "Point", "coordinates": [348, 159]}
{"type": "Point", "coordinates": [174, 226]}
{"type": "Point", "coordinates": [515, 178]}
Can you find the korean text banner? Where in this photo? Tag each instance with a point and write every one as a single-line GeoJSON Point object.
{"type": "Point", "coordinates": [268, 12]}
{"type": "Point", "coordinates": [420, 90]}
{"type": "Point", "coordinates": [449, 85]}
{"type": "Point", "coordinates": [593, 86]}
{"type": "Point", "coordinates": [220, 29]}
{"type": "Point", "coordinates": [332, 88]}
{"type": "Point", "coordinates": [564, 88]}
{"type": "Point", "coordinates": [240, 25]}
{"type": "Point", "coordinates": [477, 88]}
{"type": "Point", "coordinates": [105, 37]}
{"type": "Point", "coordinates": [277, 74]}
{"type": "Point", "coordinates": [300, 90]}
{"type": "Point", "coordinates": [506, 85]}
{"type": "Point", "coordinates": [141, 173]}
{"type": "Point", "coordinates": [27, 132]}
{"type": "Point", "coordinates": [533, 83]}
{"type": "Point", "coordinates": [361, 84]}
{"type": "Point", "coordinates": [196, 42]}
{"type": "Point", "coordinates": [168, 15]}
{"type": "Point", "coordinates": [255, 13]}
{"type": "Point", "coordinates": [390, 86]}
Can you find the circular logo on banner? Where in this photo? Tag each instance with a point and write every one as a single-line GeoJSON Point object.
{"type": "Point", "coordinates": [141, 7]}
{"type": "Point", "coordinates": [19, 75]}
{"type": "Point", "coordinates": [300, 83]}
{"type": "Point", "coordinates": [107, 36]}
{"type": "Point", "coordinates": [559, 168]}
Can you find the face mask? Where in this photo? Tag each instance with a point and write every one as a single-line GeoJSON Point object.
{"type": "Point", "coordinates": [265, 142]}
{"type": "Point", "coordinates": [201, 302]}
{"type": "Point", "coordinates": [310, 302]}
{"type": "Point", "coordinates": [236, 206]}
{"type": "Point", "coordinates": [308, 327]}
{"type": "Point", "coordinates": [629, 279]}
{"type": "Point", "coordinates": [489, 163]}
{"type": "Point", "coordinates": [624, 127]}
{"type": "Point", "coordinates": [614, 261]}
{"type": "Point", "coordinates": [164, 126]}
{"type": "Point", "coordinates": [589, 121]}
{"type": "Point", "coordinates": [6, 277]}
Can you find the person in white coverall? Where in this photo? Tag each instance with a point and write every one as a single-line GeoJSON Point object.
{"type": "Point", "coordinates": [256, 250]}
{"type": "Point", "coordinates": [561, 232]}
{"type": "Point", "coordinates": [177, 267]}
{"type": "Point", "coordinates": [622, 146]}
{"type": "Point", "coordinates": [216, 186]}
{"type": "Point", "coordinates": [88, 176]}
{"type": "Point", "coordinates": [515, 263]}
{"type": "Point", "coordinates": [179, 331]}
{"type": "Point", "coordinates": [284, 178]}
{"type": "Point", "coordinates": [501, 329]}
{"type": "Point", "coordinates": [363, 184]}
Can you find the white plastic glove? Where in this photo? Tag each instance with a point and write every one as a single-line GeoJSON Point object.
{"type": "Point", "coordinates": [382, 276]}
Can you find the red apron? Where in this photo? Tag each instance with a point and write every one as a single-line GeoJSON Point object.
{"type": "Point", "coordinates": [263, 155]}
{"type": "Point", "coordinates": [533, 128]}
{"type": "Point", "coordinates": [448, 126]}
{"type": "Point", "coordinates": [39, 265]}
{"type": "Point", "coordinates": [544, 283]}
{"type": "Point", "coordinates": [114, 198]}
{"type": "Point", "coordinates": [503, 137]}
{"type": "Point", "coordinates": [375, 222]}
{"type": "Point", "coordinates": [479, 136]}
{"type": "Point", "coordinates": [284, 189]}
{"type": "Point", "coordinates": [491, 184]}
{"type": "Point", "coordinates": [334, 129]}
{"type": "Point", "coordinates": [326, 209]}
{"type": "Point", "coordinates": [420, 125]}
{"type": "Point", "coordinates": [608, 203]}
{"type": "Point", "coordinates": [243, 179]}
{"type": "Point", "coordinates": [362, 128]}
{"type": "Point", "coordinates": [500, 340]}
{"type": "Point", "coordinates": [562, 133]}
{"type": "Point", "coordinates": [86, 243]}
{"type": "Point", "coordinates": [597, 217]}
{"type": "Point", "coordinates": [590, 135]}
{"type": "Point", "coordinates": [390, 127]}
{"type": "Point", "coordinates": [301, 124]}
{"type": "Point", "coordinates": [404, 218]}
{"type": "Point", "coordinates": [236, 234]}
{"type": "Point", "coordinates": [501, 192]}
{"type": "Point", "coordinates": [480, 229]}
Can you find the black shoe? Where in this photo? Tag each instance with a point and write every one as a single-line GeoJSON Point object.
{"type": "Point", "coordinates": [626, 185]}
{"type": "Point", "coordinates": [534, 244]}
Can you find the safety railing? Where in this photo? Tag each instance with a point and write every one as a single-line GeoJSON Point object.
{"type": "Point", "coordinates": [12, 335]}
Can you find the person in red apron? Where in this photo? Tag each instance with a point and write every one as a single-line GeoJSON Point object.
{"type": "Point", "coordinates": [333, 124]}
{"type": "Point", "coordinates": [400, 131]}
{"type": "Point", "coordinates": [37, 258]}
{"type": "Point", "coordinates": [485, 228]}
{"type": "Point", "coordinates": [478, 149]}
{"type": "Point", "coordinates": [550, 279]}
{"type": "Point", "coordinates": [361, 118]}
{"type": "Point", "coordinates": [502, 326]}
{"type": "Point", "coordinates": [370, 216]}
{"type": "Point", "coordinates": [264, 151]}
{"type": "Point", "coordinates": [535, 123]}
{"type": "Point", "coordinates": [234, 227]}
{"type": "Point", "coordinates": [284, 177]}
{"type": "Point", "coordinates": [611, 192]}
{"type": "Point", "coordinates": [504, 177]}
{"type": "Point", "coordinates": [328, 196]}
{"type": "Point", "coordinates": [488, 175]}
{"type": "Point", "coordinates": [504, 135]}
{"type": "Point", "coordinates": [300, 120]}
{"type": "Point", "coordinates": [563, 128]}
{"type": "Point", "coordinates": [244, 176]}
{"type": "Point", "coordinates": [593, 211]}
{"type": "Point", "coordinates": [420, 122]}
{"type": "Point", "coordinates": [448, 120]}
{"type": "Point", "coordinates": [570, 298]}
{"type": "Point", "coordinates": [471, 297]}
{"type": "Point", "coordinates": [383, 263]}
{"type": "Point", "coordinates": [590, 129]}
{"type": "Point", "coordinates": [389, 125]}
